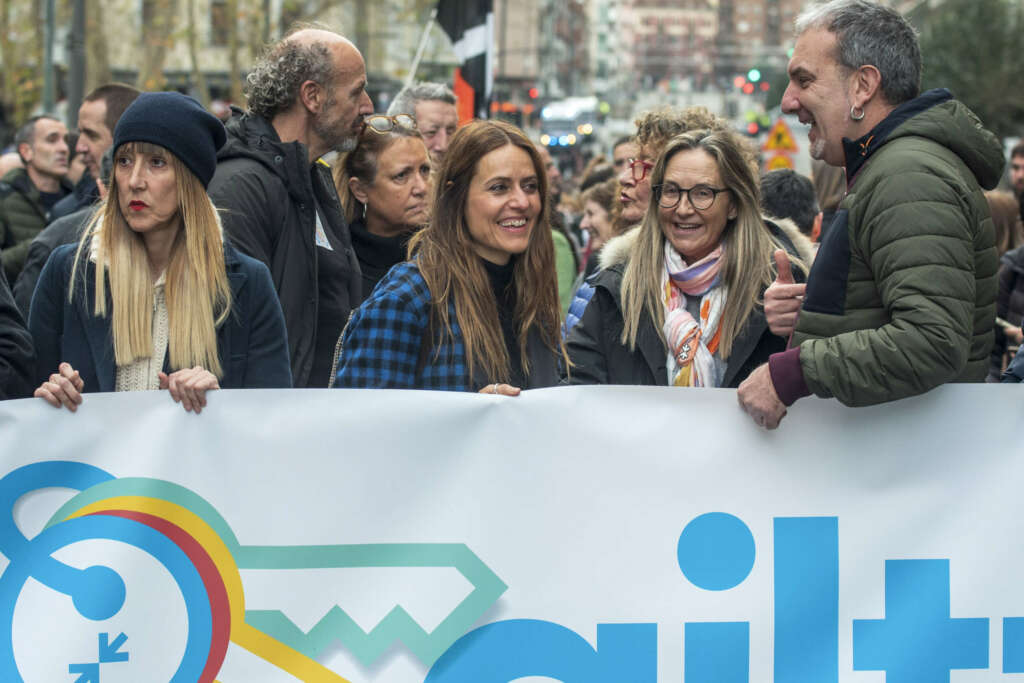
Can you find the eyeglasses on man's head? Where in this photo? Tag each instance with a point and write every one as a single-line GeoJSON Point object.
{"type": "Point", "coordinates": [382, 123]}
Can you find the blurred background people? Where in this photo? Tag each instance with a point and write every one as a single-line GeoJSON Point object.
{"type": "Point", "coordinates": [9, 162]}
{"type": "Point", "coordinates": [1010, 295]}
{"type": "Point", "coordinates": [598, 201]}
{"type": "Point", "coordinates": [384, 185]}
{"type": "Point", "coordinates": [64, 230]}
{"type": "Point", "coordinates": [17, 357]}
{"type": "Point", "coordinates": [76, 165]}
{"type": "Point", "coordinates": [152, 297]}
{"type": "Point", "coordinates": [433, 107]}
{"type": "Point", "coordinates": [97, 118]}
{"type": "Point", "coordinates": [567, 249]}
{"type": "Point", "coordinates": [787, 195]}
{"type": "Point", "coordinates": [623, 150]}
{"type": "Point", "coordinates": [1017, 174]}
{"type": "Point", "coordinates": [476, 309]}
{"type": "Point", "coordinates": [598, 205]}
{"type": "Point", "coordinates": [27, 194]}
{"type": "Point", "coordinates": [830, 188]}
{"type": "Point", "coordinates": [678, 303]}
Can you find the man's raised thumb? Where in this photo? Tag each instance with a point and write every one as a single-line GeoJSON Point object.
{"type": "Point", "coordinates": [785, 276]}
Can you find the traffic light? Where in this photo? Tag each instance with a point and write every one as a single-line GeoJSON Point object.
{"type": "Point", "coordinates": [757, 123]}
{"type": "Point", "coordinates": [754, 75]}
{"type": "Point", "coordinates": [533, 93]}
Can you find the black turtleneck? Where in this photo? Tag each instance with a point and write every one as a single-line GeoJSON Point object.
{"type": "Point", "coordinates": [505, 295]}
{"type": "Point", "coordinates": [376, 254]}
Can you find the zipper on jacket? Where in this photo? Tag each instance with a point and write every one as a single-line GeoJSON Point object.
{"type": "Point", "coordinates": [339, 347]}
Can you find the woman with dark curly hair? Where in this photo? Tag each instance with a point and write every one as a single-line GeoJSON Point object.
{"type": "Point", "coordinates": [476, 309]}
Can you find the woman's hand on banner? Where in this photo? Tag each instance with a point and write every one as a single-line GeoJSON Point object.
{"type": "Point", "coordinates": [63, 388]}
{"type": "Point", "coordinates": [189, 386]}
{"type": "Point", "coordinates": [503, 389]}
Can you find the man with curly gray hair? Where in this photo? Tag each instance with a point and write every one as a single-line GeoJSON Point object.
{"type": "Point", "coordinates": [307, 97]}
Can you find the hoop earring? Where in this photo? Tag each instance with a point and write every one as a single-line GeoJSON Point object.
{"type": "Point", "coordinates": [855, 117]}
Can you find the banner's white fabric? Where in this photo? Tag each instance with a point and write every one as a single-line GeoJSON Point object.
{"type": "Point", "coordinates": [574, 534]}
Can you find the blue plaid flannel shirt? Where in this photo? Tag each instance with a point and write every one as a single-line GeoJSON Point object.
{"type": "Point", "coordinates": [383, 341]}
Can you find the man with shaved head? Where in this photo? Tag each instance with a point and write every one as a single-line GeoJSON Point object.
{"type": "Point", "coordinates": [307, 97]}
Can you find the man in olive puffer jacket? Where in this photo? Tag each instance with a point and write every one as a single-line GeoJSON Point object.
{"type": "Point", "coordinates": [901, 297]}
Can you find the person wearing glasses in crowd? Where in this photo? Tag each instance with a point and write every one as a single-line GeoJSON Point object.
{"type": "Point", "coordinates": [152, 297]}
{"type": "Point", "coordinates": [653, 131]}
{"type": "Point", "coordinates": [384, 185]}
{"type": "Point", "coordinates": [476, 308]}
{"type": "Point", "coordinates": [679, 302]}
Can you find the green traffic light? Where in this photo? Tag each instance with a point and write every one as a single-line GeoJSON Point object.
{"type": "Point", "coordinates": [754, 75]}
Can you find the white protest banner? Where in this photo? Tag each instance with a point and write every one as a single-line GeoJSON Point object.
{"type": "Point", "coordinates": [585, 535]}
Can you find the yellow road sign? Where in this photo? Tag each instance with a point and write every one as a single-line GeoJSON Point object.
{"type": "Point", "coordinates": [778, 161]}
{"type": "Point", "coordinates": [780, 139]}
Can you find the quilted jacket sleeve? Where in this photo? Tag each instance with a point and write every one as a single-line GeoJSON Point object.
{"type": "Point", "coordinates": [585, 343]}
{"type": "Point", "coordinates": [916, 234]}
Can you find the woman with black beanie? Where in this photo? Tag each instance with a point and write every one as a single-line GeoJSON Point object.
{"type": "Point", "coordinates": [152, 297]}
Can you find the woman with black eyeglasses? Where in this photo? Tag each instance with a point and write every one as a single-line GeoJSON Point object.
{"type": "Point", "coordinates": [384, 185]}
{"type": "Point", "coordinates": [679, 302]}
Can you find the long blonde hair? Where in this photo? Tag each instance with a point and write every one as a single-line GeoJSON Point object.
{"type": "Point", "coordinates": [197, 291]}
{"type": "Point", "coordinates": [748, 246]}
{"type": "Point", "coordinates": [449, 264]}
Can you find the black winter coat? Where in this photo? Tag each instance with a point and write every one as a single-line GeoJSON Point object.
{"type": "Point", "coordinates": [17, 359]}
{"type": "Point", "coordinates": [599, 357]}
{"type": "Point", "coordinates": [64, 230]}
{"type": "Point", "coordinates": [268, 192]}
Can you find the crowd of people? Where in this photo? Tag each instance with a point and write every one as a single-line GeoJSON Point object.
{"type": "Point", "coordinates": [310, 242]}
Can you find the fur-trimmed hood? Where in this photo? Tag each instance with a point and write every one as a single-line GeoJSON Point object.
{"type": "Point", "coordinates": [617, 250]}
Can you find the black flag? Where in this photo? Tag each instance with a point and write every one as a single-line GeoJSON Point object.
{"type": "Point", "coordinates": [470, 25]}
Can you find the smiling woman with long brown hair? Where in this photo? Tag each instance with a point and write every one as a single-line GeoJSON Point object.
{"type": "Point", "coordinates": [476, 309]}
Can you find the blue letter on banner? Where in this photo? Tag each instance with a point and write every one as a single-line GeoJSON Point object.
{"type": "Point", "coordinates": [806, 599]}
{"type": "Point", "coordinates": [507, 650]}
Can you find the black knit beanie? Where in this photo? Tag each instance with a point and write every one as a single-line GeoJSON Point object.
{"type": "Point", "coordinates": [179, 124]}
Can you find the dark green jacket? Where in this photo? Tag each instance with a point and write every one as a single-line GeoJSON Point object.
{"type": "Point", "coordinates": [901, 297]}
{"type": "Point", "coordinates": [22, 217]}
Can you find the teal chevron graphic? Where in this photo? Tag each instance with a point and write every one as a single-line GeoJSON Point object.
{"type": "Point", "coordinates": [336, 625]}
{"type": "Point", "coordinates": [397, 625]}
